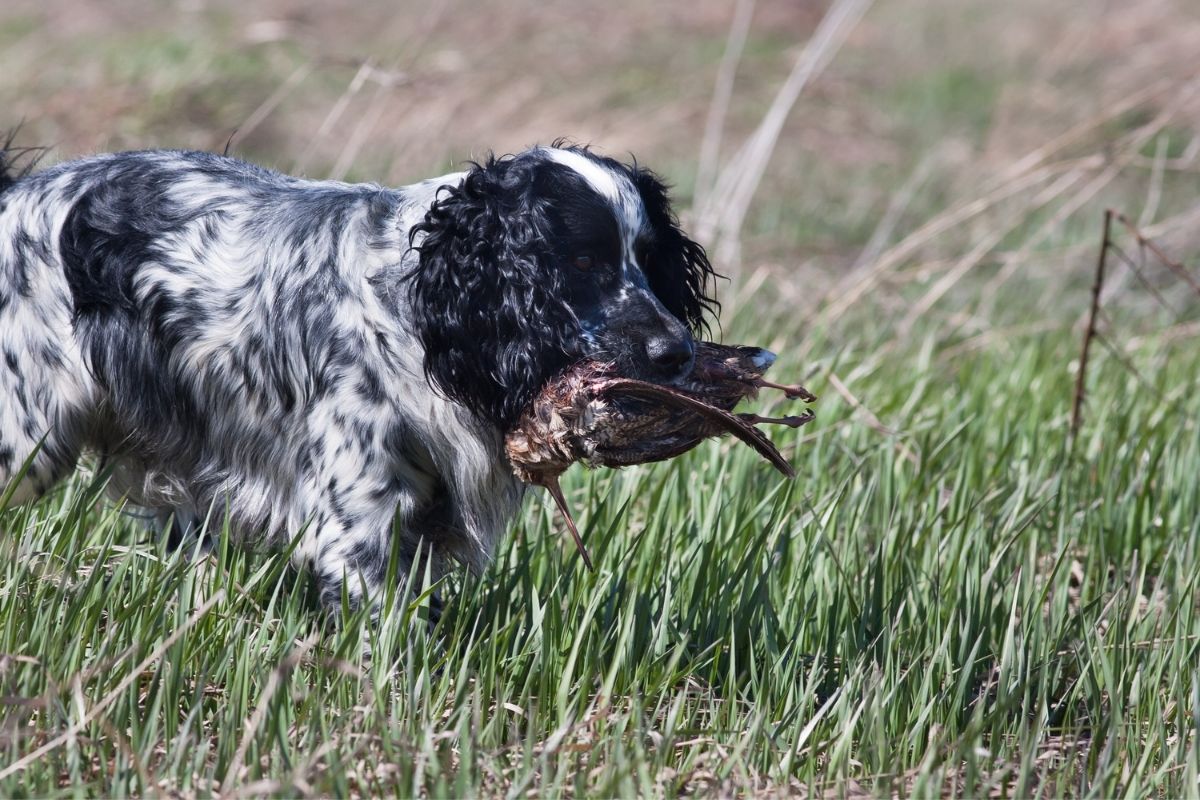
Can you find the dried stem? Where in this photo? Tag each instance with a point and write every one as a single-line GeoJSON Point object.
{"type": "Point", "coordinates": [75, 728]}
{"type": "Point", "coordinates": [1159, 253]}
{"type": "Point", "coordinates": [255, 721]}
{"type": "Point", "coordinates": [267, 106]}
{"type": "Point", "coordinates": [710, 148]}
{"type": "Point", "coordinates": [1128, 261]}
{"type": "Point", "coordinates": [873, 422]}
{"type": "Point", "coordinates": [719, 223]}
{"type": "Point", "coordinates": [1090, 332]}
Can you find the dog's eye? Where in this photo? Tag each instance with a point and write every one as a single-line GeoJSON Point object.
{"type": "Point", "coordinates": [584, 263]}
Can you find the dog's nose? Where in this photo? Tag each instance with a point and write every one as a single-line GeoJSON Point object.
{"type": "Point", "coordinates": [671, 356]}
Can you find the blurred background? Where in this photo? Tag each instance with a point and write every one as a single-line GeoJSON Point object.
{"type": "Point", "coordinates": [1039, 113]}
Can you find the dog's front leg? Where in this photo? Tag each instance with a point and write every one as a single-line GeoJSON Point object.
{"type": "Point", "coordinates": [362, 540]}
{"type": "Point", "coordinates": [365, 487]}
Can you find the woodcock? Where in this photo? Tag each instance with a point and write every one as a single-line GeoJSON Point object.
{"type": "Point", "coordinates": [592, 414]}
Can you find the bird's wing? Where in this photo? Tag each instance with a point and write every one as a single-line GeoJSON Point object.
{"type": "Point", "coordinates": [723, 419]}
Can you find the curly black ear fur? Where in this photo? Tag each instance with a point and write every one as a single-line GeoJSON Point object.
{"type": "Point", "coordinates": [676, 267]}
{"type": "Point", "coordinates": [486, 299]}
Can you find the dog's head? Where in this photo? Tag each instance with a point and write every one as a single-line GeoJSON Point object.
{"type": "Point", "coordinates": [537, 260]}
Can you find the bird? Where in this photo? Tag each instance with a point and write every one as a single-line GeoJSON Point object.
{"type": "Point", "coordinates": [593, 414]}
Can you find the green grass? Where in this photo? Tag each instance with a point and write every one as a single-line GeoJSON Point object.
{"type": "Point", "coordinates": [969, 604]}
{"type": "Point", "coordinates": [955, 600]}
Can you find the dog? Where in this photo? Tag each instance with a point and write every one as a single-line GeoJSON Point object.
{"type": "Point", "coordinates": [327, 366]}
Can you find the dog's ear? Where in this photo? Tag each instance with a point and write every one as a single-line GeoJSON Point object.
{"type": "Point", "coordinates": [676, 267]}
{"type": "Point", "coordinates": [485, 297]}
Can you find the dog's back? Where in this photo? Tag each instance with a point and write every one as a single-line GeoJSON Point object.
{"type": "Point", "coordinates": [140, 292]}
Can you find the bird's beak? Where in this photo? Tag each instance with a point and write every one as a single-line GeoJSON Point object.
{"type": "Point", "coordinates": [763, 359]}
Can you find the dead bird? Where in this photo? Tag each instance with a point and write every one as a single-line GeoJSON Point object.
{"type": "Point", "coordinates": [590, 413]}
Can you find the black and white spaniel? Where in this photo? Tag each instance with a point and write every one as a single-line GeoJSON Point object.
{"type": "Point", "coordinates": [324, 360]}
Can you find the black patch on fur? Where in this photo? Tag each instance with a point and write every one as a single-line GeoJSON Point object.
{"type": "Point", "coordinates": [110, 233]}
{"type": "Point", "coordinates": [108, 236]}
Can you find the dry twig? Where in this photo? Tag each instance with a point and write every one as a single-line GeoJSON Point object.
{"type": "Point", "coordinates": [1090, 332]}
{"type": "Point", "coordinates": [1170, 263]}
{"type": "Point", "coordinates": [718, 109]}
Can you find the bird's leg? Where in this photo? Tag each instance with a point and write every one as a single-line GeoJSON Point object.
{"type": "Point", "coordinates": [795, 391]}
{"type": "Point", "coordinates": [790, 421]}
{"type": "Point", "coordinates": [552, 486]}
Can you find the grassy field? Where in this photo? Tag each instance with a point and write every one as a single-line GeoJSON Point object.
{"type": "Point", "coordinates": [954, 598]}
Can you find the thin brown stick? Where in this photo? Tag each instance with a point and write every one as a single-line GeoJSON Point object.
{"type": "Point", "coordinates": [1141, 277]}
{"type": "Point", "coordinates": [1148, 243]}
{"type": "Point", "coordinates": [1090, 332]}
